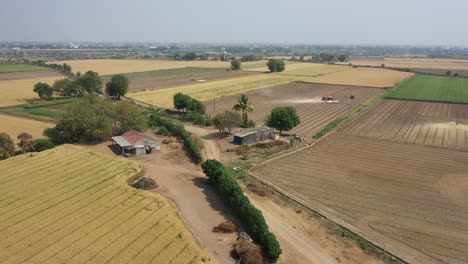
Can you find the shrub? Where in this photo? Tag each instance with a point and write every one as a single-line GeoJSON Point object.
{"type": "Point", "coordinates": [163, 131]}
{"type": "Point", "coordinates": [328, 128]}
{"type": "Point", "coordinates": [248, 253]}
{"type": "Point", "coordinates": [225, 227]}
{"type": "Point", "coordinates": [42, 144]}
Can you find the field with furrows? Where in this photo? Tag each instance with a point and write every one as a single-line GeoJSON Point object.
{"type": "Point", "coordinates": [408, 198]}
{"type": "Point", "coordinates": [411, 63]}
{"type": "Point", "coordinates": [305, 97]}
{"type": "Point", "coordinates": [71, 205]}
{"type": "Point", "coordinates": [303, 69]}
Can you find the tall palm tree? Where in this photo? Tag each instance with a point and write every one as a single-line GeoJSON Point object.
{"type": "Point", "coordinates": [244, 106]}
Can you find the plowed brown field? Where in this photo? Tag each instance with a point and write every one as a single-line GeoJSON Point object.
{"type": "Point", "coordinates": [417, 122]}
{"type": "Point", "coordinates": [408, 198]}
{"type": "Point", "coordinates": [306, 98]}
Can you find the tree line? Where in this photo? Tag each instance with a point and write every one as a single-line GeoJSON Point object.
{"type": "Point", "coordinates": [26, 144]}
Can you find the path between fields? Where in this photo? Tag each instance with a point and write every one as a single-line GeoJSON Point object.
{"type": "Point", "coordinates": [297, 245]}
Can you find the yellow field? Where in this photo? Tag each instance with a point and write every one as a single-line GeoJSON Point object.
{"type": "Point", "coordinates": [18, 91]}
{"type": "Point", "coordinates": [372, 77]}
{"type": "Point", "coordinates": [448, 64]}
{"type": "Point", "coordinates": [306, 69]}
{"type": "Point", "coordinates": [14, 126]}
{"type": "Point", "coordinates": [206, 91]}
{"type": "Point", "coordinates": [108, 66]}
{"type": "Point", "coordinates": [72, 205]}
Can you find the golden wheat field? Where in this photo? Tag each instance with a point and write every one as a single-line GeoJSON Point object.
{"type": "Point", "coordinates": [110, 66]}
{"type": "Point", "coordinates": [72, 205]}
{"type": "Point", "coordinates": [418, 63]}
{"type": "Point", "coordinates": [14, 126]}
{"type": "Point", "coordinates": [306, 69]}
{"type": "Point", "coordinates": [16, 92]}
{"type": "Point", "coordinates": [206, 91]}
{"type": "Point", "coordinates": [371, 77]}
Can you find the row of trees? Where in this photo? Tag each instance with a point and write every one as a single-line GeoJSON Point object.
{"type": "Point", "coordinates": [25, 144]}
{"type": "Point", "coordinates": [63, 68]}
{"type": "Point", "coordinates": [190, 106]}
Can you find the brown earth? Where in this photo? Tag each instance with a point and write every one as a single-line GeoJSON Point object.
{"type": "Point", "coordinates": [416, 122]}
{"type": "Point", "coordinates": [407, 198]}
{"type": "Point", "coordinates": [5, 76]}
{"type": "Point", "coordinates": [440, 72]}
{"type": "Point", "coordinates": [305, 97]}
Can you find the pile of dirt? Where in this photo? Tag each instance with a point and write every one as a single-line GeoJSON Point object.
{"type": "Point", "coordinates": [145, 184]}
{"type": "Point", "coordinates": [225, 227]}
{"type": "Point", "coordinates": [247, 252]}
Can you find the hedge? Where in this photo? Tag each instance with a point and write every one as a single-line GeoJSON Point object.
{"type": "Point", "coordinates": [231, 193]}
{"type": "Point", "coordinates": [178, 131]}
{"type": "Point", "coordinates": [328, 128]}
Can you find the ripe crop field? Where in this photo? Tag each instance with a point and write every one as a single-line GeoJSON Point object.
{"type": "Point", "coordinates": [19, 68]}
{"type": "Point", "coordinates": [305, 97]}
{"type": "Point", "coordinates": [408, 198]}
{"type": "Point", "coordinates": [447, 64]}
{"type": "Point", "coordinates": [156, 80]}
{"type": "Point", "coordinates": [370, 77]}
{"type": "Point", "coordinates": [416, 122]}
{"type": "Point", "coordinates": [14, 126]}
{"type": "Point", "coordinates": [432, 88]}
{"type": "Point", "coordinates": [205, 91]}
{"type": "Point", "coordinates": [27, 75]}
{"type": "Point", "coordinates": [16, 92]}
{"type": "Point", "coordinates": [302, 69]}
{"type": "Point", "coordinates": [72, 205]}
{"type": "Point", "coordinates": [110, 66]}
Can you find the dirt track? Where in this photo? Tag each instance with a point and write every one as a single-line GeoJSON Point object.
{"type": "Point", "coordinates": [409, 198]}
{"type": "Point", "coordinates": [306, 98]}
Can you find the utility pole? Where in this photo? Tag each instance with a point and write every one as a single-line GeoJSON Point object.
{"type": "Point", "coordinates": [214, 104]}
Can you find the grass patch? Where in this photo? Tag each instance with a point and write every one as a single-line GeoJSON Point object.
{"type": "Point", "coordinates": [4, 68]}
{"type": "Point", "coordinates": [328, 127]}
{"type": "Point", "coordinates": [433, 89]}
{"type": "Point", "coordinates": [38, 110]}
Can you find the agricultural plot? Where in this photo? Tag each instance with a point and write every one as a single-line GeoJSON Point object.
{"type": "Point", "coordinates": [27, 75]}
{"type": "Point", "coordinates": [302, 69]}
{"type": "Point", "coordinates": [306, 98]}
{"type": "Point", "coordinates": [156, 80]}
{"type": "Point", "coordinates": [16, 92]}
{"type": "Point", "coordinates": [110, 66]}
{"type": "Point", "coordinates": [432, 88]}
{"type": "Point", "coordinates": [72, 205]}
{"type": "Point", "coordinates": [414, 63]}
{"type": "Point", "coordinates": [14, 126]}
{"type": "Point", "coordinates": [370, 77]}
{"type": "Point", "coordinates": [416, 122]}
{"type": "Point", "coordinates": [4, 68]}
{"type": "Point", "coordinates": [204, 91]}
{"type": "Point", "coordinates": [441, 72]}
{"type": "Point", "coordinates": [408, 198]}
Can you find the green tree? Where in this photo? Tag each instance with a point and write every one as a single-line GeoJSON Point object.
{"type": "Point", "coordinates": [90, 81]}
{"type": "Point", "coordinates": [283, 118]}
{"type": "Point", "coordinates": [190, 56]}
{"type": "Point", "coordinates": [117, 86]}
{"type": "Point", "coordinates": [448, 73]}
{"type": "Point", "coordinates": [62, 84]}
{"type": "Point", "coordinates": [343, 57]}
{"type": "Point", "coordinates": [44, 90]}
{"type": "Point", "coordinates": [235, 65]}
{"type": "Point", "coordinates": [42, 144]}
{"type": "Point", "coordinates": [276, 65]}
{"type": "Point", "coordinates": [181, 101]}
{"type": "Point", "coordinates": [25, 142]}
{"type": "Point", "coordinates": [244, 106]}
{"type": "Point", "coordinates": [226, 121]}
{"type": "Point", "coordinates": [7, 146]}
{"type": "Point", "coordinates": [129, 116]}
{"type": "Point", "coordinates": [195, 109]}
{"type": "Point", "coordinates": [73, 89]}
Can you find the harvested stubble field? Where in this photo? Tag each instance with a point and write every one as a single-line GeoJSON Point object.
{"type": "Point", "coordinates": [432, 88]}
{"type": "Point", "coordinates": [156, 80]}
{"type": "Point", "coordinates": [14, 126]}
{"type": "Point", "coordinates": [305, 97]}
{"type": "Point", "coordinates": [206, 91]}
{"type": "Point", "coordinates": [369, 77]}
{"type": "Point", "coordinates": [110, 66]}
{"type": "Point", "coordinates": [408, 198]}
{"type": "Point", "coordinates": [416, 122]}
{"type": "Point", "coordinates": [19, 68]}
{"type": "Point", "coordinates": [16, 92]}
{"type": "Point", "coordinates": [72, 205]}
{"type": "Point", "coordinates": [27, 75]}
{"type": "Point", "coordinates": [303, 69]}
{"type": "Point", "coordinates": [447, 64]}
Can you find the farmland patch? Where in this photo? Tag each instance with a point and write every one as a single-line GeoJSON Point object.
{"type": "Point", "coordinates": [27, 75]}
{"type": "Point", "coordinates": [16, 92]}
{"type": "Point", "coordinates": [4, 68]}
{"type": "Point", "coordinates": [14, 126]}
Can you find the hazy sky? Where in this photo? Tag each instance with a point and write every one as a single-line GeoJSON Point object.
{"type": "Point", "coordinates": [421, 22]}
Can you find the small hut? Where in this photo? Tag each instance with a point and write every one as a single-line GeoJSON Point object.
{"type": "Point", "coordinates": [134, 143]}
{"type": "Point", "coordinates": [253, 135]}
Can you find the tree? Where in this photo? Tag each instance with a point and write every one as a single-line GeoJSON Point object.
{"type": "Point", "coordinates": [7, 146]}
{"type": "Point", "coordinates": [226, 121]}
{"type": "Point", "coordinates": [195, 109]}
{"type": "Point", "coordinates": [117, 86]}
{"type": "Point", "coordinates": [276, 65]}
{"type": "Point", "coordinates": [62, 84]}
{"type": "Point", "coordinates": [44, 90]}
{"type": "Point", "coordinates": [244, 107]}
{"type": "Point", "coordinates": [343, 57]}
{"type": "Point", "coordinates": [129, 116]}
{"type": "Point", "coordinates": [235, 65]}
{"type": "Point", "coordinates": [283, 118]}
{"type": "Point", "coordinates": [25, 142]}
{"type": "Point", "coordinates": [90, 81]}
{"type": "Point", "coordinates": [190, 56]}
{"type": "Point", "coordinates": [42, 144]}
{"type": "Point", "coordinates": [181, 101]}
{"type": "Point", "coordinates": [73, 89]}
{"type": "Point", "coordinates": [448, 73]}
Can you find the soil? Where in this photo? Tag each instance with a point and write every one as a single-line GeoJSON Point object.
{"type": "Point", "coordinates": [441, 72]}
{"type": "Point", "coordinates": [6, 76]}
{"type": "Point", "coordinates": [306, 98]}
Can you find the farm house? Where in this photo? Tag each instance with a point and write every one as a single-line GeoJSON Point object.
{"type": "Point", "coordinates": [135, 143]}
{"type": "Point", "coordinates": [253, 135]}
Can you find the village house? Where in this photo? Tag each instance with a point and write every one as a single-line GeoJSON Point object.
{"type": "Point", "coordinates": [134, 143]}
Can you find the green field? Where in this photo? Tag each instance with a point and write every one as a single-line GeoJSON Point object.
{"type": "Point", "coordinates": [433, 89]}
{"type": "Point", "coordinates": [45, 111]}
{"type": "Point", "coordinates": [19, 68]}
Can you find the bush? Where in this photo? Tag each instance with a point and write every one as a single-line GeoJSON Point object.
{"type": "Point", "coordinates": [163, 131]}
{"type": "Point", "coordinates": [225, 227]}
{"type": "Point", "coordinates": [231, 193]}
{"type": "Point", "coordinates": [42, 144]}
{"type": "Point", "coordinates": [248, 253]}
{"type": "Point", "coordinates": [328, 128]}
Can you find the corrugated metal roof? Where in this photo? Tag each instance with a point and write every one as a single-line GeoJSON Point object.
{"type": "Point", "coordinates": [253, 130]}
{"type": "Point", "coordinates": [121, 141]}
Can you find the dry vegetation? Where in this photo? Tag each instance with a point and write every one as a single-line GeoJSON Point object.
{"type": "Point", "coordinates": [303, 69]}
{"type": "Point", "coordinates": [448, 64]}
{"type": "Point", "coordinates": [370, 77]}
{"type": "Point", "coordinates": [16, 92]}
{"type": "Point", "coordinates": [27, 75]}
{"type": "Point", "coordinates": [14, 126]}
{"type": "Point", "coordinates": [69, 204]}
